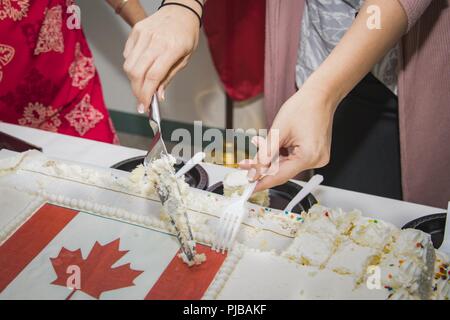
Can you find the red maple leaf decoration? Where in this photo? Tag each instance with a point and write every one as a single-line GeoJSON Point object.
{"type": "Point", "coordinates": [96, 274]}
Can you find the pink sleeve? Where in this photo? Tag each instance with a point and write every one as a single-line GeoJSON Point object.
{"type": "Point", "coordinates": [414, 9]}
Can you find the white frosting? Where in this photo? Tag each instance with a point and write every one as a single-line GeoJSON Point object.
{"type": "Point", "coordinates": [234, 184]}
{"type": "Point", "coordinates": [342, 221]}
{"type": "Point", "coordinates": [136, 185]}
{"type": "Point", "coordinates": [441, 280]}
{"type": "Point", "coordinates": [310, 249]}
{"type": "Point", "coordinates": [17, 222]}
{"type": "Point", "coordinates": [9, 164]}
{"type": "Point", "coordinates": [400, 272]}
{"type": "Point", "coordinates": [351, 258]}
{"type": "Point", "coordinates": [102, 210]}
{"type": "Point", "coordinates": [326, 259]}
{"type": "Point", "coordinates": [224, 273]}
{"type": "Point", "coordinates": [236, 178]}
{"type": "Point", "coordinates": [321, 226]}
{"type": "Point", "coordinates": [265, 275]}
{"type": "Point", "coordinates": [347, 244]}
{"type": "Point", "coordinates": [414, 244]}
{"type": "Point", "coordinates": [372, 232]}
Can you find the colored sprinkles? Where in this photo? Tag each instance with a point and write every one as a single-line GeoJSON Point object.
{"type": "Point", "coordinates": [294, 216]}
{"type": "Point", "coordinates": [443, 273]}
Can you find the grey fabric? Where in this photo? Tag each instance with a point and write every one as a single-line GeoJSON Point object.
{"type": "Point", "coordinates": [324, 23]}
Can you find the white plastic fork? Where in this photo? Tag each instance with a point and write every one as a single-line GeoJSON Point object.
{"type": "Point", "coordinates": [445, 246]}
{"type": "Point", "coordinates": [313, 183]}
{"type": "Point", "coordinates": [231, 220]}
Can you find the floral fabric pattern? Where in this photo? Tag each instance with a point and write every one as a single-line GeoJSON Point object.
{"type": "Point", "coordinates": [14, 9]}
{"type": "Point", "coordinates": [6, 55]}
{"type": "Point", "coordinates": [48, 79]}
{"type": "Point", "coordinates": [50, 35]}
{"type": "Point", "coordinates": [82, 69]}
{"type": "Point", "coordinates": [36, 115]}
{"type": "Point", "coordinates": [84, 116]}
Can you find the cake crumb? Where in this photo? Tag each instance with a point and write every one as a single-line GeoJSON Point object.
{"type": "Point", "coordinates": [198, 259]}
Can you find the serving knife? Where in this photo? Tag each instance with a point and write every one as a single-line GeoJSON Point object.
{"type": "Point", "coordinates": [171, 202]}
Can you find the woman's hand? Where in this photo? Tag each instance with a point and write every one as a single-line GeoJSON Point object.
{"type": "Point", "coordinates": [304, 122]}
{"type": "Point", "coordinates": [158, 47]}
{"type": "Point", "coordinates": [303, 126]}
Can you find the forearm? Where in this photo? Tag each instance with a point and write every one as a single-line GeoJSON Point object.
{"type": "Point", "coordinates": [132, 12]}
{"type": "Point", "coordinates": [360, 49]}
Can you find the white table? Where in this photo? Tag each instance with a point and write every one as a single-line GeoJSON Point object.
{"type": "Point", "coordinates": [102, 154]}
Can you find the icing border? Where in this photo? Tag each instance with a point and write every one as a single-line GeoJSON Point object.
{"type": "Point", "coordinates": [97, 209]}
{"type": "Point", "coordinates": [225, 271]}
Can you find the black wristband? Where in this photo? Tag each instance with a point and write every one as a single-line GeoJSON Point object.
{"type": "Point", "coordinates": [200, 4]}
{"type": "Point", "coordinates": [163, 4]}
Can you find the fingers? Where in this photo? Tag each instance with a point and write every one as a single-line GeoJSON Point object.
{"type": "Point", "coordinates": [140, 45]}
{"type": "Point", "coordinates": [162, 87]}
{"type": "Point", "coordinates": [268, 150]}
{"type": "Point", "coordinates": [161, 93]}
{"type": "Point", "coordinates": [158, 47]}
{"type": "Point", "coordinates": [261, 144]}
{"type": "Point", "coordinates": [280, 171]}
{"type": "Point", "coordinates": [138, 61]}
{"type": "Point", "coordinates": [146, 68]}
{"type": "Point", "coordinates": [157, 72]}
{"type": "Point", "coordinates": [254, 167]}
{"type": "Point", "coordinates": [268, 153]}
{"type": "Point", "coordinates": [148, 61]}
{"type": "Point", "coordinates": [286, 170]}
{"type": "Point", "coordinates": [131, 42]}
{"type": "Point", "coordinates": [137, 76]}
{"type": "Point", "coordinates": [247, 164]}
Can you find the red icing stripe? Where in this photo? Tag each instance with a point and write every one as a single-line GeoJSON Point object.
{"type": "Point", "coordinates": [30, 239]}
{"type": "Point", "coordinates": [179, 282]}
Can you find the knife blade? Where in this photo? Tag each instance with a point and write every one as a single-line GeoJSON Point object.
{"type": "Point", "coordinates": [170, 195]}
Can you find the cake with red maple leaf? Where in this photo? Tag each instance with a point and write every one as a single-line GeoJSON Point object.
{"type": "Point", "coordinates": [71, 231]}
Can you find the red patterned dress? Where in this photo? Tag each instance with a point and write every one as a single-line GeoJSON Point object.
{"type": "Point", "coordinates": [47, 76]}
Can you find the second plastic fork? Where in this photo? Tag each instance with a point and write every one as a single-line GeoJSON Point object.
{"type": "Point", "coordinates": [231, 220]}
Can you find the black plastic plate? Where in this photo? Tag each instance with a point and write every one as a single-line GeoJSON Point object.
{"type": "Point", "coordinates": [279, 196]}
{"type": "Point", "coordinates": [433, 224]}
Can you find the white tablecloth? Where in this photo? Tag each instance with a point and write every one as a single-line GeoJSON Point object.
{"type": "Point", "coordinates": [102, 154]}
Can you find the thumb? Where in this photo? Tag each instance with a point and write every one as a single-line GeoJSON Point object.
{"type": "Point", "coordinates": [281, 172]}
